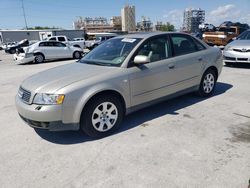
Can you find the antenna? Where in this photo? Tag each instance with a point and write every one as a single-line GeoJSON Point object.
{"type": "Point", "coordinates": [24, 16]}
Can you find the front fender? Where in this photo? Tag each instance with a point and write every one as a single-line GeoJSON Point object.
{"type": "Point", "coordinates": [72, 108]}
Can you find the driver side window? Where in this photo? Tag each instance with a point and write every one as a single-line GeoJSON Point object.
{"type": "Point", "coordinates": [156, 49]}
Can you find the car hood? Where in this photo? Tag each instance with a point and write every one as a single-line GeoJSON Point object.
{"type": "Point", "coordinates": [54, 79]}
{"type": "Point", "coordinates": [240, 43]}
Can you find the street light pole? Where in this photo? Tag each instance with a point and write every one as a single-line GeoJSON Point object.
{"type": "Point", "coordinates": [24, 16]}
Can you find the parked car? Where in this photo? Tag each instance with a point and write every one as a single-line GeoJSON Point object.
{"type": "Point", "coordinates": [7, 45]}
{"type": "Point", "coordinates": [238, 51]}
{"type": "Point", "coordinates": [46, 50]}
{"type": "Point", "coordinates": [118, 77]}
{"type": "Point", "coordinates": [77, 39]}
{"type": "Point", "coordinates": [225, 33]}
{"type": "Point", "coordinates": [12, 49]}
{"type": "Point", "coordinates": [94, 39]}
{"type": "Point", "coordinates": [66, 40]}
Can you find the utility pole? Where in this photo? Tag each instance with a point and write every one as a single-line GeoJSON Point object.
{"type": "Point", "coordinates": [24, 16]}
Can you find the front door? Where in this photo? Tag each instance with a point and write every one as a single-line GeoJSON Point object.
{"type": "Point", "coordinates": [155, 79]}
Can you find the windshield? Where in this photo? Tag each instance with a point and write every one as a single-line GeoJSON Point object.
{"type": "Point", "coordinates": [225, 29]}
{"type": "Point", "coordinates": [111, 53]}
{"type": "Point", "coordinates": [244, 36]}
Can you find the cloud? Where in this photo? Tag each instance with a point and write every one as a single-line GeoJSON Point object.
{"type": "Point", "coordinates": [226, 13]}
{"type": "Point", "coordinates": [175, 17]}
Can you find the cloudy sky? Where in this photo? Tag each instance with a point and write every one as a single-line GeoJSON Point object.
{"type": "Point", "coordinates": [62, 13]}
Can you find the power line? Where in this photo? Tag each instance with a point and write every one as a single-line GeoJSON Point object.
{"type": "Point", "coordinates": [24, 15]}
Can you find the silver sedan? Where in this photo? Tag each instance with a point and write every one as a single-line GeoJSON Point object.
{"type": "Point", "coordinates": [238, 51]}
{"type": "Point", "coordinates": [118, 77]}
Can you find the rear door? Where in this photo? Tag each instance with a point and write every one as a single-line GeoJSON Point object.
{"type": "Point", "coordinates": [47, 49]}
{"type": "Point", "coordinates": [189, 58]}
{"type": "Point", "coordinates": [61, 50]}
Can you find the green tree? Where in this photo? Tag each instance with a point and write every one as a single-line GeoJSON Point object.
{"type": "Point", "coordinates": [167, 27]}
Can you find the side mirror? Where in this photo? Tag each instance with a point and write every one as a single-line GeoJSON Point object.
{"type": "Point", "coordinates": [234, 38]}
{"type": "Point", "coordinates": [141, 59]}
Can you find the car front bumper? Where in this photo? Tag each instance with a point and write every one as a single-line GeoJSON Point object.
{"type": "Point", "coordinates": [236, 57]}
{"type": "Point", "coordinates": [43, 116]}
{"type": "Point", "coordinates": [21, 59]}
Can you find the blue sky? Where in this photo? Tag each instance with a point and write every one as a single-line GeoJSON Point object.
{"type": "Point", "coordinates": [62, 13]}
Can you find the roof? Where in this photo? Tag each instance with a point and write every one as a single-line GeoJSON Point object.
{"type": "Point", "coordinates": [146, 34]}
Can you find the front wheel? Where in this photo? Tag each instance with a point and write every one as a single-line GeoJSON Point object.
{"type": "Point", "coordinates": [102, 116]}
{"type": "Point", "coordinates": [207, 83]}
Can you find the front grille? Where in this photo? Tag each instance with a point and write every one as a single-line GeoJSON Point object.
{"type": "Point", "coordinates": [24, 95]}
{"type": "Point", "coordinates": [241, 50]}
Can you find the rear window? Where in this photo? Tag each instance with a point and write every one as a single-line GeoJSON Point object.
{"type": "Point", "coordinates": [62, 39]}
{"type": "Point", "coordinates": [183, 44]}
{"type": "Point", "coordinates": [53, 38]}
{"type": "Point", "coordinates": [46, 44]}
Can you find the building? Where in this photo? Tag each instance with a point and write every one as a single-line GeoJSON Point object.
{"type": "Point", "coordinates": [98, 24]}
{"type": "Point", "coordinates": [158, 26]}
{"type": "Point", "coordinates": [36, 35]}
{"type": "Point", "coordinates": [192, 19]}
{"type": "Point", "coordinates": [128, 18]}
{"type": "Point", "coordinates": [145, 25]}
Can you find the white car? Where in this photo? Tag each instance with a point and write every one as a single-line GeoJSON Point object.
{"type": "Point", "coordinates": [47, 50]}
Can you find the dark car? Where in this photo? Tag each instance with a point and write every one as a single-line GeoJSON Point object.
{"type": "Point", "coordinates": [12, 49]}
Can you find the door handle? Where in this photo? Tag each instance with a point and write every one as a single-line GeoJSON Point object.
{"type": "Point", "coordinates": [200, 59]}
{"type": "Point", "coordinates": [171, 66]}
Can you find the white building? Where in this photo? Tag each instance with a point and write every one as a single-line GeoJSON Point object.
{"type": "Point", "coordinates": [128, 18]}
{"type": "Point", "coordinates": [192, 19]}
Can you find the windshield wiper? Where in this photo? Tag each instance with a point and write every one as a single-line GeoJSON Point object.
{"type": "Point", "coordinates": [98, 63]}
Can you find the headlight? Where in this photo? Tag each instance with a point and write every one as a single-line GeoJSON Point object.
{"type": "Point", "coordinates": [228, 48]}
{"type": "Point", "coordinates": [48, 99]}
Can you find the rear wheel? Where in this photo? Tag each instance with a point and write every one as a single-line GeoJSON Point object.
{"type": "Point", "coordinates": [101, 116]}
{"type": "Point", "coordinates": [12, 51]}
{"type": "Point", "coordinates": [207, 83]}
{"type": "Point", "coordinates": [77, 55]}
{"type": "Point", "coordinates": [39, 58]}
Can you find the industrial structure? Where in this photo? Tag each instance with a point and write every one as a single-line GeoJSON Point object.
{"type": "Point", "coordinates": [145, 24]}
{"type": "Point", "coordinates": [192, 19]}
{"type": "Point", "coordinates": [128, 18]}
{"type": "Point", "coordinates": [98, 24]}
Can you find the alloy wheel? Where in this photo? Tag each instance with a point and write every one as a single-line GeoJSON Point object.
{"type": "Point", "coordinates": [208, 83]}
{"type": "Point", "coordinates": [104, 116]}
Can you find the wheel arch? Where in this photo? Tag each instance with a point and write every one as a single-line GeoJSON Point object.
{"type": "Point", "coordinates": [38, 52]}
{"type": "Point", "coordinates": [87, 97]}
{"type": "Point", "coordinates": [77, 46]}
{"type": "Point", "coordinates": [101, 93]}
{"type": "Point", "coordinates": [214, 69]}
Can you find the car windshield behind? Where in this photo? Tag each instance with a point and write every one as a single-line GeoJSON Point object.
{"type": "Point", "coordinates": [111, 53]}
{"type": "Point", "coordinates": [244, 36]}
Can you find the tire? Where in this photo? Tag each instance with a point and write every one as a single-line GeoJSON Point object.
{"type": "Point", "coordinates": [207, 84]}
{"type": "Point", "coordinates": [102, 116]}
{"type": "Point", "coordinates": [77, 55]}
{"type": "Point", "coordinates": [12, 51]}
{"type": "Point", "coordinates": [39, 58]}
